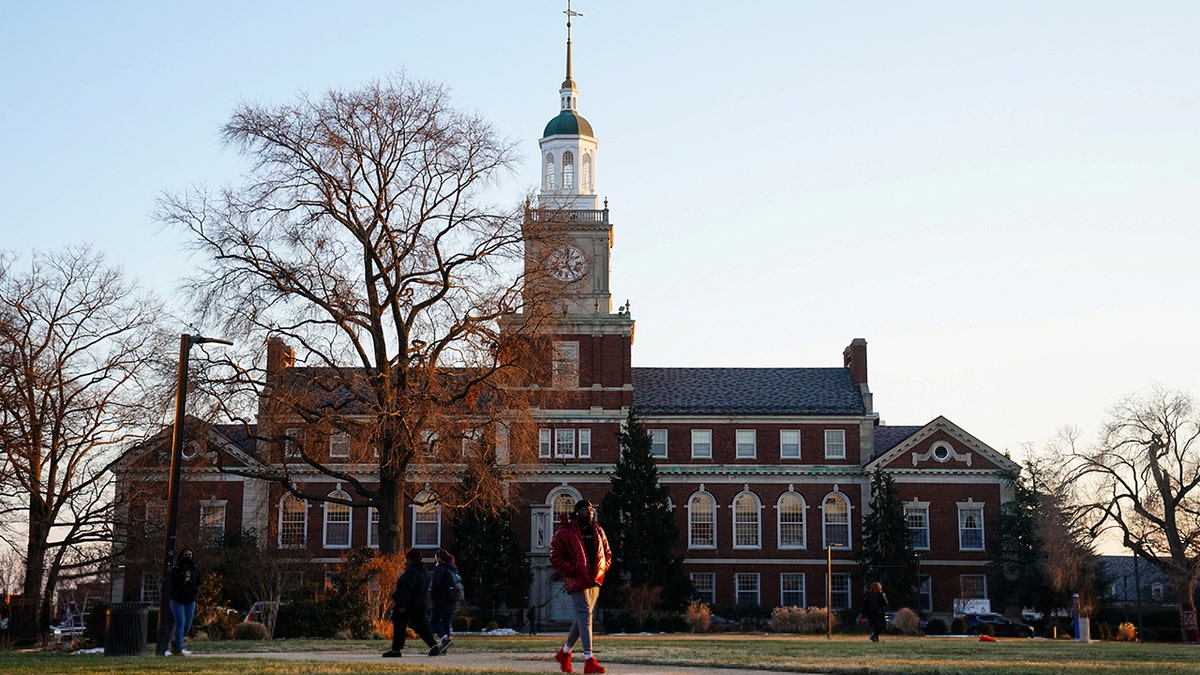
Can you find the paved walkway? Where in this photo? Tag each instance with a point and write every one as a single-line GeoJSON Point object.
{"type": "Point", "coordinates": [493, 662]}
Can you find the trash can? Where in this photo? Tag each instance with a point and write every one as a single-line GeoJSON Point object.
{"type": "Point", "coordinates": [125, 628]}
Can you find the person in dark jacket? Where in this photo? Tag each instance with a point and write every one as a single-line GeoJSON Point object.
{"type": "Point", "coordinates": [579, 551]}
{"type": "Point", "coordinates": [875, 603]}
{"type": "Point", "coordinates": [409, 605]}
{"type": "Point", "coordinates": [185, 584]}
{"type": "Point", "coordinates": [444, 596]}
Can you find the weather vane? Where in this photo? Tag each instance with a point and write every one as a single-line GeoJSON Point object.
{"type": "Point", "coordinates": [570, 13]}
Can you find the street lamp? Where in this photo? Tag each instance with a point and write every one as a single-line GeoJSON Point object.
{"type": "Point", "coordinates": [164, 600]}
{"type": "Point", "coordinates": [829, 589]}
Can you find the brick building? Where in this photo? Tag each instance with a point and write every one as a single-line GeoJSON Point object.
{"type": "Point", "coordinates": [768, 468]}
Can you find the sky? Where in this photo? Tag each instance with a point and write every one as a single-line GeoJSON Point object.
{"type": "Point", "coordinates": [1000, 197]}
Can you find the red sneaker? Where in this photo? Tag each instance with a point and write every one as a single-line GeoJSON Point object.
{"type": "Point", "coordinates": [564, 661]}
{"type": "Point", "coordinates": [593, 666]}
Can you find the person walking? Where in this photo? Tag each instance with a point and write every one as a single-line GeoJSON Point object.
{"type": "Point", "coordinates": [409, 605]}
{"type": "Point", "coordinates": [444, 595]}
{"type": "Point", "coordinates": [579, 551]}
{"type": "Point", "coordinates": [875, 603]}
{"type": "Point", "coordinates": [185, 584]}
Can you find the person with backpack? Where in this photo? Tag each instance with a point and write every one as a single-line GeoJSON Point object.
{"type": "Point", "coordinates": [410, 602]}
{"type": "Point", "coordinates": [874, 606]}
{"type": "Point", "coordinates": [445, 593]}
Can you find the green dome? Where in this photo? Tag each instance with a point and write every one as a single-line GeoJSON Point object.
{"type": "Point", "coordinates": [568, 123]}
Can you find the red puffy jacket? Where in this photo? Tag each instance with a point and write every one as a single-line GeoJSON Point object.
{"type": "Point", "coordinates": [568, 557]}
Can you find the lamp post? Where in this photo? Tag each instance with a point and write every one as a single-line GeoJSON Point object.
{"type": "Point", "coordinates": [829, 589]}
{"type": "Point", "coordinates": [165, 621]}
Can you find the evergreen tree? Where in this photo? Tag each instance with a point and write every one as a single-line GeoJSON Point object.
{"type": "Point", "coordinates": [636, 514]}
{"type": "Point", "coordinates": [887, 554]}
{"type": "Point", "coordinates": [494, 568]}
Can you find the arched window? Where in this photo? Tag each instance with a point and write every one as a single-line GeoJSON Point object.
{"type": "Point", "coordinates": [835, 512]}
{"type": "Point", "coordinates": [586, 174]}
{"type": "Point", "coordinates": [426, 521]}
{"type": "Point", "coordinates": [549, 179]}
{"type": "Point", "coordinates": [337, 522]}
{"type": "Point", "coordinates": [791, 520]}
{"type": "Point", "coordinates": [568, 171]}
{"type": "Point", "coordinates": [563, 506]}
{"type": "Point", "coordinates": [747, 532]}
{"type": "Point", "coordinates": [293, 522]}
{"type": "Point", "coordinates": [702, 521]}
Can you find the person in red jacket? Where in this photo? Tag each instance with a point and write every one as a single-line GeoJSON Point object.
{"type": "Point", "coordinates": [580, 552]}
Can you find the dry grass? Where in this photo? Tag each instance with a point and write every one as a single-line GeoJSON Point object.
{"type": "Point", "coordinates": [843, 654]}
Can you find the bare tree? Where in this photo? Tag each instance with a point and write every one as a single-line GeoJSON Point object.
{"type": "Point", "coordinates": [1146, 467]}
{"type": "Point", "coordinates": [362, 239]}
{"type": "Point", "coordinates": [78, 346]}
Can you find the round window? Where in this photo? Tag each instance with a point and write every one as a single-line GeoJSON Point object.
{"type": "Point", "coordinates": [941, 452]}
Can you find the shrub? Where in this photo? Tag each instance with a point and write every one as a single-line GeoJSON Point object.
{"type": "Point", "coordinates": [697, 617]}
{"type": "Point", "coordinates": [305, 618]}
{"type": "Point", "coordinates": [985, 629]}
{"type": "Point", "coordinates": [1102, 631]}
{"type": "Point", "coordinates": [958, 627]}
{"type": "Point", "coordinates": [460, 623]}
{"type": "Point", "coordinates": [491, 625]}
{"type": "Point", "coordinates": [906, 622]}
{"type": "Point", "coordinates": [250, 630]}
{"type": "Point", "coordinates": [936, 627]}
{"type": "Point", "coordinates": [813, 621]}
{"type": "Point", "coordinates": [1127, 632]}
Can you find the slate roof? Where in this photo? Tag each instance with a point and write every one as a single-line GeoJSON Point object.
{"type": "Point", "coordinates": [746, 391]}
{"type": "Point", "coordinates": [887, 437]}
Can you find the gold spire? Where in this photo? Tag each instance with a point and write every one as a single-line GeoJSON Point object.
{"type": "Point", "coordinates": [570, 13]}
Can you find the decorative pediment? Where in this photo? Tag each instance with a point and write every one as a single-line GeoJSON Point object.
{"type": "Point", "coordinates": [942, 445]}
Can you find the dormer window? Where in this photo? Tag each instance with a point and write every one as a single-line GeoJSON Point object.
{"type": "Point", "coordinates": [568, 171]}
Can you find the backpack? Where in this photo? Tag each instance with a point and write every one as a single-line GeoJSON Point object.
{"type": "Point", "coordinates": [456, 587]}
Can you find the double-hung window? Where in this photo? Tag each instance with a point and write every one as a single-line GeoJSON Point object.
{"type": "Point", "coordinates": [658, 443]}
{"type": "Point", "coordinates": [789, 444]}
{"type": "Point", "coordinates": [747, 444]}
{"type": "Point", "coordinates": [835, 444]}
{"type": "Point", "coordinates": [701, 443]}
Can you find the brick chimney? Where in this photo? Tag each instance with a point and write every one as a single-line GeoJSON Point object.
{"type": "Point", "coordinates": [279, 356]}
{"type": "Point", "coordinates": [854, 357]}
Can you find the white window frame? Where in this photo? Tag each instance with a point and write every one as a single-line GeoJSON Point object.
{"type": "Point", "coordinates": [747, 521]}
{"type": "Point", "coordinates": [585, 443]}
{"type": "Point", "coordinates": [339, 445]}
{"type": "Point", "coordinates": [840, 591]}
{"type": "Point", "coordinates": [699, 519]}
{"type": "Point", "coordinates": [209, 530]}
{"type": "Point", "coordinates": [291, 437]}
{"type": "Point", "coordinates": [658, 443]}
{"type": "Point", "coordinates": [151, 590]}
{"type": "Point", "coordinates": [965, 510]}
{"type": "Point", "coordinates": [827, 524]}
{"type": "Point", "coordinates": [426, 520]}
{"type": "Point", "coordinates": [564, 371]}
{"type": "Point", "coordinates": [747, 584]}
{"type": "Point", "coordinates": [973, 586]}
{"type": "Point", "coordinates": [701, 443]}
{"type": "Point", "coordinates": [372, 527]}
{"type": "Point", "coordinates": [925, 592]}
{"type": "Point", "coordinates": [785, 444]}
{"type": "Point", "coordinates": [746, 442]}
{"type": "Point", "coordinates": [302, 539]}
{"type": "Point", "coordinates": [545, 442]}
{"type": "Point", "coordinates": [792, 583]}
{"type": "Point", "coordinates": [918, 532]}
{"type": "Point", "coordinates": [835, 444]}
{"type": "Point", "coordinates": [562, 504]}
{"type": "Point", "coordinates": [337, 518]}
{"type": "Point", "coordinates": [471, 439]}
{"type": "Point", "coordinates": [705, 586]}
{"type": "Point", "coordinates": [564, 443]}
{"type": "Point", "coordinates": [800, 527]}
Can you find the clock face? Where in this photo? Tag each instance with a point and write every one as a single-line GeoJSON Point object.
{"type": "Point", "coordinates": [567, 263]}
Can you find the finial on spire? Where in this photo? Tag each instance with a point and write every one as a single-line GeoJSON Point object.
{"type": "Point", "coordinates": [570, 13]}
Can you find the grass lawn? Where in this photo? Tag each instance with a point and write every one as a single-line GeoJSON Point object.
{"type": "Point", "coordinates": [940, 656]}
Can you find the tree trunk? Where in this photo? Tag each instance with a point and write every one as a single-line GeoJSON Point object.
{"type": "Point", "coordinates": [35, 556]}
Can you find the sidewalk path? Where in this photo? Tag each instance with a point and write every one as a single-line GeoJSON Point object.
{"type": "Point", "coordinates": [494, 662]}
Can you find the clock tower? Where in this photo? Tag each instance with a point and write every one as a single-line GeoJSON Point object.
{"type": "Point", "coordinates": [567, 247]}
{"type": "Point", "coordinates": [575, 250]}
